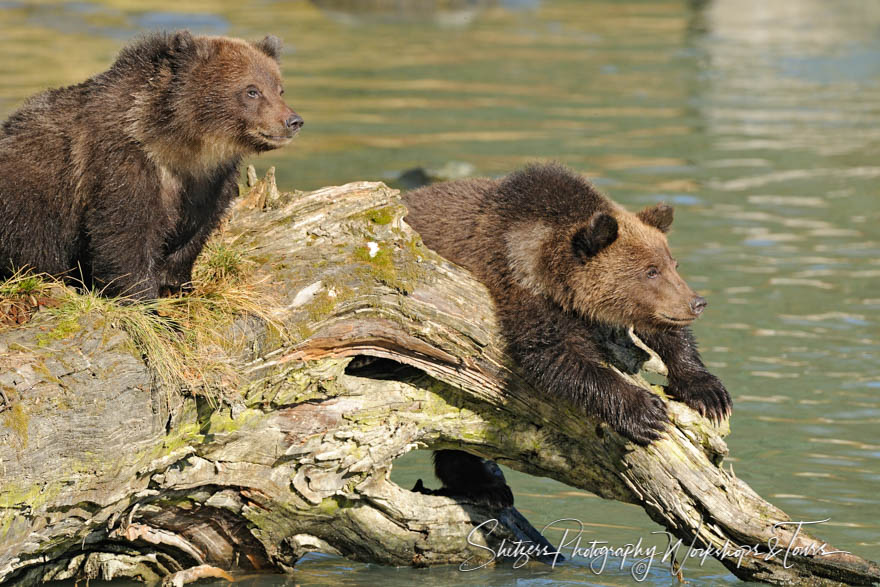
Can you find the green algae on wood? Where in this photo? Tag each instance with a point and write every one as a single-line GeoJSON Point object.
{"type": "Point", "coordinates": [16, 419]}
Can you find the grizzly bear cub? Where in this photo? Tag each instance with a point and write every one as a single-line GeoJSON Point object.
{"type": "Point", "coordinates": [563, 263]}
{"type": "Point", "coordinates": [121, 178]}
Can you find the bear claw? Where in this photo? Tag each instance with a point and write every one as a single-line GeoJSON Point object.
{"type": "Point", "coordinates": [704, 393]}
{"type": "Point", "coordinates": [642, 418]}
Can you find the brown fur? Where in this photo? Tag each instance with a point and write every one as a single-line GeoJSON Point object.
{"type": "Point", "coordinates": [561, 262]}
{"type": "Point", "coordinates": [123, 177]}
{"type": "Point", "coordinates": [509, 236]}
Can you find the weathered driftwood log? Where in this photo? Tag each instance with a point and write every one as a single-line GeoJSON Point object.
{"type": "Point", "coordinates": [106, 473]}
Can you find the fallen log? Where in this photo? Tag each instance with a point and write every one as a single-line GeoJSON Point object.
{"type": "Point", "coordinates": [373, 346]}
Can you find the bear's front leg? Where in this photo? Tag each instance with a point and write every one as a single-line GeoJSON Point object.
{"type": "Point", "coordinates": [175, 275]}
{"type": "Point", "coordinates": [688, 380]}
{"type": "Point", "coordinates": [130, 274]}
{"type": "Point", "coordinates": [558, 355]}
{"type": "Point", "coordinates": [175, 271]}
{"type": "Point", "coordinates": [208, 200]}
{"type": "Point", "coordinates": [123, 253]}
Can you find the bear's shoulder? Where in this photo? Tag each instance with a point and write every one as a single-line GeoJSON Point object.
{"type": "Point", "coordinates": [548, 193]}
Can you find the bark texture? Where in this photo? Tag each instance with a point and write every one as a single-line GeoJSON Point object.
{"type": "Point", "coordinates": [106, 473]}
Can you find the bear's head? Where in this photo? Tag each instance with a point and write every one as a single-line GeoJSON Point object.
{"type": "Point", "coordinates": [227, 94]}
{"type": "Point", "coordinates": [614, 267]}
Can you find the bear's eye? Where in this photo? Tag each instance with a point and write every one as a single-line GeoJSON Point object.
{"type": "Point", "coordinates": [253, 93]}
{"type": "Point", "coordinates": [652, 272]}
{"type": "Point", "coordinates": [281, 93]}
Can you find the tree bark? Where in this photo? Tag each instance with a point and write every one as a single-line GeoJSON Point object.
{"type": "Point", "coordinates": [105, 472]}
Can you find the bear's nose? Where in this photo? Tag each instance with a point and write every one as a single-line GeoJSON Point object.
{"type": "Point", "coordinates": [294, 122]}
{"type": "Point", "coordinates": [698, 304]}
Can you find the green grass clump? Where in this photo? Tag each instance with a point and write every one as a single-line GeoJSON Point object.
{"type": "Point", "coordinates": [186, 339]}
{"type": "Point", "coordinates": [23, 283]}
{"type": "Point", "coordinates": [221, 262]}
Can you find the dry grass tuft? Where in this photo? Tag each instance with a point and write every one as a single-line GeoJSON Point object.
{"type": "Point", "coordinates": [188, 339]}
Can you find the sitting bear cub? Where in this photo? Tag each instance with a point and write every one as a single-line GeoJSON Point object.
{"type": "Point", "coordinates": [562, 262]}
{"type": "Point", "coordinates": [122, 178]}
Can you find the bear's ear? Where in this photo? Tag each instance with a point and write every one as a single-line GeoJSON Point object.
{"type": "Point", "coordinates": [184, 46]}
{"type": "Point", "coordinates": [659, 216]}
{"type": "Point", "coordinates": [590, 239]}
{"type": "Point", "coordinates": [271, 46]}
{"type": "Point", "coordinates": [182, 42]}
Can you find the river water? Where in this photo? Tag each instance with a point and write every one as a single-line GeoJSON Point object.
{"type": "Point", "coordinates": [759, 120]}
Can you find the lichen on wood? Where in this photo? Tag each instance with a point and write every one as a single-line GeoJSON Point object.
{"type": "Point", "coordinates": [373, 346]}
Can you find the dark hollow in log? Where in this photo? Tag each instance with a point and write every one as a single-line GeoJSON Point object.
{"type": "Point", "coordinates": [106, 472]}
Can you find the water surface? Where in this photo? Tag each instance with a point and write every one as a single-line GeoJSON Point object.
{"type": "Point", "coordinates": [758, 120]}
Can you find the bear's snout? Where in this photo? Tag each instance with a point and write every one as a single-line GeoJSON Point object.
{"type": "Point", "coordinates": [294, 122]}
{"type": "Point", "coordinates": [698, 304]}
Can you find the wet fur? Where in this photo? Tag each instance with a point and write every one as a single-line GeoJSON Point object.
{"type": "Point", "coordinates": [122, 178]}
{"type": "Point", "coordinates": [560, 259]}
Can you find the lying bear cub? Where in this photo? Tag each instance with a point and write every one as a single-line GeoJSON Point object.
{"type": "Point", "coordinates": [562, 263]}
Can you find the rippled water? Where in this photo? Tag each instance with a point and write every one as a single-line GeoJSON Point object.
{"type": "Point", "coordinates": [759, 120]}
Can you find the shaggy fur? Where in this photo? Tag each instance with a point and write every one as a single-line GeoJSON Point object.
{"type": "Point", "coordinates": [122, 178]}
{"type": "Point", "coordinates": [561, 261]}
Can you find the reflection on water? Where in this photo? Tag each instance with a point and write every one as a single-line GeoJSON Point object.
{"type": "Point", "coordinates": [444, 13]}
{"type": "Point", "coordinates": [759, 120]}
